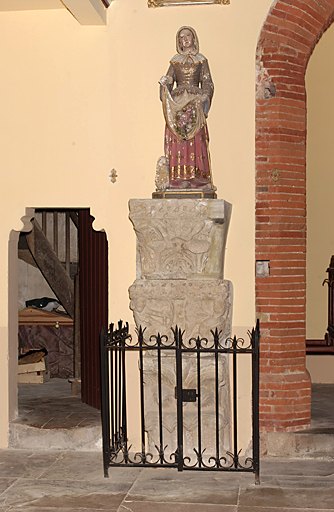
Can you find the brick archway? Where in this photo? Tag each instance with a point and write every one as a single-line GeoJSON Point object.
{"type": "Point", "coordinates": [289, 35]}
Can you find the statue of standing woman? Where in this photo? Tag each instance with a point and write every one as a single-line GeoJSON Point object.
{"type": "Point", "coordinates": [186, 92]}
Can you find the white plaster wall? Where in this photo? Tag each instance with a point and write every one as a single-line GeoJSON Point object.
{"type": "Point", "coordinates": [17, 5]}
{"type": "Point", "coordinates": [321, 368]}
{"type": "Point", "coordinates": [320, 186]}
{"type": "Point", "coordinates": [31, 284]}
{"type": "Point", "coordinates": [320, 180]}
{"type": "Point", "coordinates": [78, 101]}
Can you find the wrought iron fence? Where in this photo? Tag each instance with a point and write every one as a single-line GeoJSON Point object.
{"type": "Point", "coordinates": [170, 363]}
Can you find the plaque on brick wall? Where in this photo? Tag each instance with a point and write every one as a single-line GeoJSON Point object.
{"type": "Point", "coordinates": [165, 3]}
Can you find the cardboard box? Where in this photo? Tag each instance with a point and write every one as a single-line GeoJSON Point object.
{"type": "Point", "coordinates": [33, 378]}
{"type": "Point", "coordinates": [31, 367]}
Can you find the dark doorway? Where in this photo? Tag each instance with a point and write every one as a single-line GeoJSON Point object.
{"type": "Point", "coordinates": [73, 260]}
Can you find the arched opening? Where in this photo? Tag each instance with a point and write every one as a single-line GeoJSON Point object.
{"type": "Point", "coordinates": [58, 289]}
{"type": "Point", "coordinates": [287, 40]}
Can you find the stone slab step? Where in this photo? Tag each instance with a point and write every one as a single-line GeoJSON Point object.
{"type": "Point", "coordinates": [306, 444]}
{"type": "Point", "coordinates": [73, 439]}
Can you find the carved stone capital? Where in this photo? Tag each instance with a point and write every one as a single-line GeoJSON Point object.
{"type": "Point", "coordinates": [180, 239]}
{"type": "Point", "coordinates": [196, 306]}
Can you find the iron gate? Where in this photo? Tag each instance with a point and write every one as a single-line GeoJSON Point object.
{"type": "Point", "coordinates": [210, 405]}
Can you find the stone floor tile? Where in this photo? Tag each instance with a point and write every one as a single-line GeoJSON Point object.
{"type": "Point", "coordinates": [5, 483]}
{"type": "Point", "coordinates": [88, 466]}
{"type": "Point", "coordinates": [322, 415]}
{"type": "Point", "coordinates": [55, 494]}
{"type": "Point", "coordinates": [32, 419]}
{"type": "Point", "coordinates": [85, 422]}
{"type": "Point", "coordinates": [165, 485]}
{"type": "Point", "coordinates": [296, 482]}
{"type": "Point", "coordinates": [280, 509]}
{"type": "Point", "coordinates": [61, 422]}
{"type": "Point", "coordinates": [53, 406]}
{"type": "Point", "coordinates": [52, 509]}
{"type": "Point", "coordinates": [300, 467]}
{"type": "Point", "coordinates": [21, 463]}
{"type": "Point", "coordinates": [146, 506]}
{"type": "Point", "coordinates": [280, 497]}
{"type": "Point", "coordinates": [78, 416]}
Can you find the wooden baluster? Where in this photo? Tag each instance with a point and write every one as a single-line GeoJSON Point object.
{"type": "Point", "coordinates": [55, 233]}
{"type": "Point", "coordinates": [67, 243]}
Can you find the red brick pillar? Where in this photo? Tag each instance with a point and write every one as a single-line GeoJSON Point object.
{"type": "Point", "coordinates": [287, 40]}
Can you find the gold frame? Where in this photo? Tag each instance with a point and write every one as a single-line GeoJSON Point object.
{"type": "Point", "coordinates": [166, 3]}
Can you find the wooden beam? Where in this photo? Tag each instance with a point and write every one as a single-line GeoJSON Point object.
{"type": "Point", "coordinates": [87, 12]}
{"type": "Point", "coordinates": [51, 268]}
{"type": "Point", "coordinates": [24, 252]}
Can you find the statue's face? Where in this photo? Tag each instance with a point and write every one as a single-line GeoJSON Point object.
{"type": "Point", "coordinates": [186, 39]}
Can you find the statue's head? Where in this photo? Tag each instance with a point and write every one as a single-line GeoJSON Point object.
{"type": "Point", "coordinates": [187, 41]}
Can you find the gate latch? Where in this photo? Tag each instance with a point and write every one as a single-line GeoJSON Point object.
{"type": "Point", "coordinates": [188, 395]}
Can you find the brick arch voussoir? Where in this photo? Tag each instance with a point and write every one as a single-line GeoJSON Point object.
{"type": "Point", "coordinates": [287, 40]}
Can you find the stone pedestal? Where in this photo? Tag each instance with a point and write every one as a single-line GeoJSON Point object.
{"type": "Point", "coordinates": [180, 281]}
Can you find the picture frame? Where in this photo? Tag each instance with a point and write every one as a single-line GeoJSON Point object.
{"type": "Point", "coordinates": [166, 3]}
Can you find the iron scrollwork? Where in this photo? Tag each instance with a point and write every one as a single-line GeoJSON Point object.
{"type": "Point", "coordinates": [227, 462]}
{"type": "Point", "coordinates": [203, 353]}
{"type": "Point", "coordinates": [124, 456]}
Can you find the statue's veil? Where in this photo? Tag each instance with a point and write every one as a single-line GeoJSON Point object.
{"type": "Point", "coordinates": [196, 43]}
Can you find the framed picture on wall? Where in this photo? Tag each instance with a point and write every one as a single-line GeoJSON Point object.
{"type": "Point", "coordinates": [165, 3]}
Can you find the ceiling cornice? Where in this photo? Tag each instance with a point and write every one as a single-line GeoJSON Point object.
{"type": "Point", "coordinates": [87, 12]}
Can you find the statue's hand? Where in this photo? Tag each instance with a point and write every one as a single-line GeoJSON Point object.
{"type": "Point", "coordinates": [205, 104]}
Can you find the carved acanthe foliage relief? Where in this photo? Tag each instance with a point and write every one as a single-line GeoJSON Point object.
{"type": "Point", "coordinates": [180, 239]}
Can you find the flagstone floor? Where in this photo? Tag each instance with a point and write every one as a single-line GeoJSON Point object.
{"type": "Point", "coordinates": [74, 482]}
{"type": "Point", "coordinates": [50, 417]}
{"type": "Point", "coordinates": [38, 479]}
{"type": "Point", "coordinates": [51, 405]}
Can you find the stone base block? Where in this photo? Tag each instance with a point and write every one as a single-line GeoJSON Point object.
{"type": "Point", "coordinates": [199, 417]}
{"type": "Point", "coordinates": [196, 306]}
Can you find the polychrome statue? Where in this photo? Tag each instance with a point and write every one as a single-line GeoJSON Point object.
{"type": "Point", "coordinates": [186, 92]}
